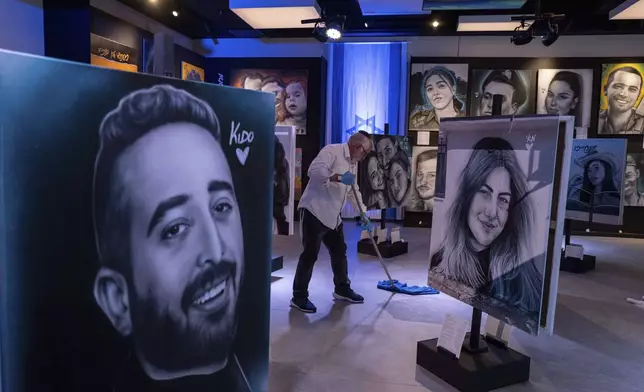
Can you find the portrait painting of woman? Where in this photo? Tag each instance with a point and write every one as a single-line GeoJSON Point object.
{"type": "Point", "coordinates": [596, 178]}
{"type": "Point", "coordinates": [488, 244]}
{"type": "Point", "coordinates": [566, 93]}
{"type": "Point", "coordinates": [436, 91]}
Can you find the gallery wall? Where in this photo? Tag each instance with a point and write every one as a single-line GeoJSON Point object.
{"type": "Point", "coordinates": [21, 26]}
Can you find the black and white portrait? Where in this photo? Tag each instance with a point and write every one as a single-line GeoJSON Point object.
{"type": "Point", "coordinates": [489, 235]}
{"type": "Point", "coordinates": [385, 174]}
{"type": "Point", "coordinates": [566, 92]}
{"type": "Point", "coordinates": [633, 180]}
{"type": "Point", "coordinates": [596, 178]}
{"type": "Point", "coordinates": [284, 180]}
{"type": "Point", "coordinates": [436, 91]}
{"type": "Point", "coordinates": [621, 111]}
{"type": "Point", "coordinates": [514, 85]}
{"type": "Point", "coordinates": [423, 174]}
{"type": "Point", "coordinates": [172, 284]}
{"type": "Point", "coordinates": [150, 234]}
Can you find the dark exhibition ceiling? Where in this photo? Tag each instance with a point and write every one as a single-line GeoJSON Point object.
{"type": "Point", "coordinates": [214, 19]}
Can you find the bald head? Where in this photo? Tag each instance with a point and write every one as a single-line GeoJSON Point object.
{"type": "Point", "coordinates": [359, 146]}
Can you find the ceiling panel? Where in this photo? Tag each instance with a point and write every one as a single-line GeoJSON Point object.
{"type": "Point", "coordinates": [392, 7]}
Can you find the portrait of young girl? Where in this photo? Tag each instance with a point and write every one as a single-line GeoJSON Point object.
{"type": "Point", "coordinates": [489, 236]}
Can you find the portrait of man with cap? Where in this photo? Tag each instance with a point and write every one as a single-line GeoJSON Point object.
{"type": "Point", "coordinates": [598, 185]}
{"type": "Point", "coordinates": [510, 84]}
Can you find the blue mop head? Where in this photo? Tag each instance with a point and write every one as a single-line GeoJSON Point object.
{"type": "Point", "coordinates": [402, 288]}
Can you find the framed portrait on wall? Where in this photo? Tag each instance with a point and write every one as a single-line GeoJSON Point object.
{"type": "Point", "coordinates": [621, 107]}
{"type": "Point", "coordinates": [514, 85]}
{"type": "Point", "coordinates": [192, 72]}
{"type": "Point", "coordinates": [566, 92]}
{"type": "Point", "coordinates": [289, 87]}
{"type": "Point", "coordinates": [436, 91]}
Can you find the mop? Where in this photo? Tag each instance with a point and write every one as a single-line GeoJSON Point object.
{"type": "Point", "coordinates": [392, 285]}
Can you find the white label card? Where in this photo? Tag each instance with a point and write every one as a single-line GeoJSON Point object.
{"type": "Point", "coordinates": [422, 139]}
{"type": "Point", "coordinates": [395, 235]}
{"type": "Point", "coordinates": [382, 235]}
{"type": "Point", "coordinates": [453, 334]}
{"type": "Point", "coordinates": [575, 251]}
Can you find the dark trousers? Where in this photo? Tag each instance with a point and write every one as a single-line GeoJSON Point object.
{"type": "Point", "coordinates": [315, 233]}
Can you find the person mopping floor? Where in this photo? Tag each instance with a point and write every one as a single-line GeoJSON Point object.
{"type": "Point", "coordinates": [330, 180]}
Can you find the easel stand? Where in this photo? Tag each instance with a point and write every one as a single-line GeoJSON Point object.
{"type": "Point", "coordinates": [481, 367]}
{"type": "Point", "coordinates": [573, 264]}
{"type": "Point", "coordinates": [484, 364]}
{"type": "Point", "coordinates": [387, 249]}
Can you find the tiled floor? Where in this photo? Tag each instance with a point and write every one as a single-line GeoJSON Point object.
{"type": "Point", "coordinates": [598, 344]}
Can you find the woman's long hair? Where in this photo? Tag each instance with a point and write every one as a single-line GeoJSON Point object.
{"type": "Point", "coordinates": [460, 261]}
{"type": "Point", "coordinates": [575, 82]}
{"type": "Point", "coordinates": [608, 184]}
{"type": "Point", "coordinates": [365, 179]}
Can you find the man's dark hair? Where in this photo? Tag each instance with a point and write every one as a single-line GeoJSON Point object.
{"type": "Point", "coordinates": [512, 78]}
{"type": "Point", "coordinates": [136, 115]}
{"type": "Point", "coordinates": [628, 69]}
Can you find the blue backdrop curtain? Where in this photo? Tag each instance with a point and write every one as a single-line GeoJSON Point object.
{"type": "Point", "coordinates": [366, 91]}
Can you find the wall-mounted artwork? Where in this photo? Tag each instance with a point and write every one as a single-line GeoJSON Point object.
{"type": "Point", "coordinates": [514, 85]}
{"type": "Point", "coordinates": [596, 180]}
{"type": "Point", "coordinates": [442, 5]}
{"type": "Point", "coordinates": [423, 174]}
{"type": "Point", "coordinates": [192, 72]}
{"type": "Point", "coordinates": [436, 91]}
{"type": "Point", "coordinates": [634, 180]}
{"type": "Point", "coordinates": [489, 238]}
{"type": "Point", "coordinates": [110, 54]}
{"type": "Point", "coordinates": [385, 174]}
{"type": "Point", "coordinates": [161, 247]}
{"type": "Point", "coordinates": [289, 87]}
{"type": "Point", "coordinates": [566, 92]}
{"type": "Point", "coordinates": [284, 180]}
{"type": "Point", "coordinates": [621, 104]}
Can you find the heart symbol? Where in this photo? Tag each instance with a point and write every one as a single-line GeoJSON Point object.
{"type": "Point", "coordinates": [242, 155]}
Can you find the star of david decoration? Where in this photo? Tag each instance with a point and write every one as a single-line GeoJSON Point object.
{"type": "Point", "coordinates": [368, 124]}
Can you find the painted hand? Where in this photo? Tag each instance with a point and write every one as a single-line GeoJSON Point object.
{"type": "Point", "coordinates": [348, 178]}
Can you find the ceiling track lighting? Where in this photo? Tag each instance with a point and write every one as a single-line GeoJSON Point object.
{"type": "Point", "coordinates": [327, 28]}
{"type": "Point", "coordinates": [543, 26]}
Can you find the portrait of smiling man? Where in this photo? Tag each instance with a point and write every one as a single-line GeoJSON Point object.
{"type": "Point", "coordinates": [170, 241]}
{"type": "Point", "coordinates": [622, 91]}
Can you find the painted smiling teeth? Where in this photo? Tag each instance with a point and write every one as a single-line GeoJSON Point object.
{"type": "Point", "coordinates": [210, 294]}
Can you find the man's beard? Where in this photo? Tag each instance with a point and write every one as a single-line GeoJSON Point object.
{"type": "Point", "coordinates": [172, 345]}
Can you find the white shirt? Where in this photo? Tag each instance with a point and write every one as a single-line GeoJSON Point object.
{"type": "Point", "coordinates": [323, 198]}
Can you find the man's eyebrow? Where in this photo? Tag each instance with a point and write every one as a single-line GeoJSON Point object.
{"type": "Point", "coordinates": [165, 206]}
{"type": "Point", "coordinates": [219, 185]}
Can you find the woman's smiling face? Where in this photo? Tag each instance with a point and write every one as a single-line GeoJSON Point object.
{"type": "Point", "coordinates": [489, 210]}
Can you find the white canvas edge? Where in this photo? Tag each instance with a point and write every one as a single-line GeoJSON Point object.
{"type": "Point", "coordinates": [290, 132]}
{"type": "Point", "coordinates": [561, 214]}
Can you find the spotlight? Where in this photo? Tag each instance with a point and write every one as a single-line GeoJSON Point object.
{"type": "Point", "coordinates": [550, 35]}
{"type": "Point", "coordinates": [435, 24]}
{"type": "Point", "coordinates": [333, 31]}
{"type": "Point", "coordinates": [521, 37]}
{"type": "Point", "coordinates": [175, 13]}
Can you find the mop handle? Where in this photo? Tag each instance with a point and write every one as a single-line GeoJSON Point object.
{"type": "Point", "coordinates": [375, 246]}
